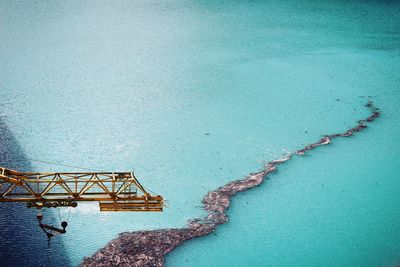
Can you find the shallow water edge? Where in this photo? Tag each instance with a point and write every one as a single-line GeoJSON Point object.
{"type": "Point", "coordinates": [148, 248]}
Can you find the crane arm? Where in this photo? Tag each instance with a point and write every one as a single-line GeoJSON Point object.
{"type": "Point", "coordinates": [115, 191]}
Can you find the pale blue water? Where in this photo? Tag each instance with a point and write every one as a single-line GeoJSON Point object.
{"type": "Point", "coordinates": [138, 84]}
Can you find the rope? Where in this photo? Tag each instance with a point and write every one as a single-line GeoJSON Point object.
{"type": "Point", "coordinates": [70, 166]}
{"type": "Point", "coordinates": [165, 205]}
{"type": "Point", "coordinates": [59, 215]}
{"type": "Point", "coordinates": [69, 213]}
{"type": "Point", "coordinates": [150, 191]}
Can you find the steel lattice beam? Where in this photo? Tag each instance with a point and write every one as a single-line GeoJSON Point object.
{"type": "Point", "coordinates": [115, 191]}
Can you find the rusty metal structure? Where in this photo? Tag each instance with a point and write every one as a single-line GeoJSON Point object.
{"type": "Point", "coordinates": [114, 191]}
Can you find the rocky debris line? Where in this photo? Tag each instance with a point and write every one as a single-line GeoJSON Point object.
{"type": "Point", "coordinates": [148, 248]}
{"type": "Point", "coordinates": [362, 124]}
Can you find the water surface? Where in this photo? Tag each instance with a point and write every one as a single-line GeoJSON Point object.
{"type": "Point", "coordinates": [193, 94]}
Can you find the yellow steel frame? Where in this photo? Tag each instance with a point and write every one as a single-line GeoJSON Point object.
{"type": "Point", "coordinates": [115, 191]}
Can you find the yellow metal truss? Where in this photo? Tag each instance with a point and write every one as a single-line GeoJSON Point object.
{"type": "Point", "coordinates": [115, 191]}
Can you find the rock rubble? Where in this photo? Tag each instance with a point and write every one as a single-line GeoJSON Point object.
{"type": "Point", "coordinates": [148, 248]}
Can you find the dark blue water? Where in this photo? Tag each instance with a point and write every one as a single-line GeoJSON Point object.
{"type": "Point", "coordinates": [22, 243]}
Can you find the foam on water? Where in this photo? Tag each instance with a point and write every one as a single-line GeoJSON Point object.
{"type": "Point", "coordinates": [195, 94]}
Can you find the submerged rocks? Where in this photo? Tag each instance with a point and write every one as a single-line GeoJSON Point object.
{"type": "Point", "coordinates": [148, 248]}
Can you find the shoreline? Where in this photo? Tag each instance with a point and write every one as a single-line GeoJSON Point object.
{"type": "Point", "coordinates": [148, 248]}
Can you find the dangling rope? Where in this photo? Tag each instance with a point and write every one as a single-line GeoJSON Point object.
{"type": "Point", "coordinates": [59, 215]}
{"type": "Point", "coordinates": [69, 213]}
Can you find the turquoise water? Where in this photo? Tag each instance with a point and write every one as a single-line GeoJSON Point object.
{"type": "Point", "coordinates": [194, 94]}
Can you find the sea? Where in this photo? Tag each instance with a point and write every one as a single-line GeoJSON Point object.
{"type": "Point", "coordinates": [193, 94]}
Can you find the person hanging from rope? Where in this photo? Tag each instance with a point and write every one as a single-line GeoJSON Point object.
{"type": "Point", "coordinates": [50, 230]}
